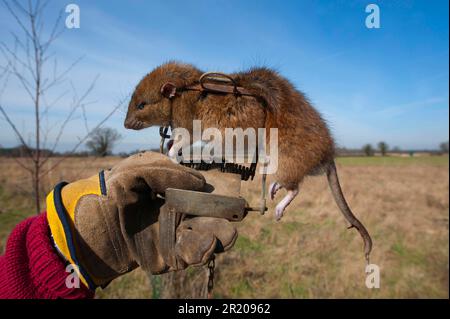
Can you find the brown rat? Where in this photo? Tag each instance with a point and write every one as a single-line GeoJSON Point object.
{"type": "Point", "coordinates": [305, 145]}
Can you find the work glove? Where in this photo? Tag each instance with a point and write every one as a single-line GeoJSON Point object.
{"type": "Point", "coordinates": [108, 224]}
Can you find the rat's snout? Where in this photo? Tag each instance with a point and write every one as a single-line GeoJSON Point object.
{"type": "Point", "coordinates": [134, 124]}
{"type": "Point", "coordinates": [128, 123]}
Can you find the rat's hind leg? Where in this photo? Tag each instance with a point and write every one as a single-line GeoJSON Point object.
{"type": "Point", "coordinates": [290, 174]}
{"type": "Point", "coordinates": [281, 206]}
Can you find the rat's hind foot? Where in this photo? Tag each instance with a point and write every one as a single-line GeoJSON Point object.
{"type": "Point", "coordinates": [273, 189]}
{"type": "Point", "coordinates": [279, 209]}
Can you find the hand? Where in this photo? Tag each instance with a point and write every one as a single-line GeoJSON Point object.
{"type": "Point", "coordinates": [108, 224]}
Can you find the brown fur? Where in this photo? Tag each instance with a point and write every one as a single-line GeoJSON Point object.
{"type": "Point", "coordinates": [304, 141]}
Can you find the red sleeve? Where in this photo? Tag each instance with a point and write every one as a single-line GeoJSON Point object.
{"type": "Point", "coordinates": [31, 267]}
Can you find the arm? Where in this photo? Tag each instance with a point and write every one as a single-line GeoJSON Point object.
{"type": "Point", "coordinates": [31, 267]}
{"type": "Point", "coordinates": [105, 226]}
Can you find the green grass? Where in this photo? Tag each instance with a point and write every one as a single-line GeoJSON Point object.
{"type": "Point", "coordinates": [394, 160]}
{"type": "Point", "coordinates": [10, 215]}
{"type": "Point", "coordinates": [408, 255]}
{"type": "Point", "coordinates": [8, 221]}
{"type": "Point", "coordinates": [135, 284]}
{"type": "Point", "coordinates": [241, 288]}
{"type": "Point", "coordinates": [294, 290]}
{"type": "Point", "coordinates": [245, 245]}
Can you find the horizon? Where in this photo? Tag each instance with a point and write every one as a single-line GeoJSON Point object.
{"type": "Point", "coordinates": [388, 84]}
{"type": "Point", "coordinates": [156, 148]}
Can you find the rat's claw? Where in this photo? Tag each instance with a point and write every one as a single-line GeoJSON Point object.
{"type": "Point", "coordinates": [273, 189]}
{"type": "Point", "coordinates": [279, 209]}
{"type": "Point", "coordinates": [279, 212]}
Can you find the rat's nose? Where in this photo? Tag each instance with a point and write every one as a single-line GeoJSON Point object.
{"type": "Point", "coordinates": [129, 123]}
{"type": "Point", "coordinates": [133, 124]}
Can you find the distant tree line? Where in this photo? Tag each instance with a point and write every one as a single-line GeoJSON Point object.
{"type": "Point", "coordinates": [444, 147]}
{"type": "Point", "coordinates": [101, 143]}
{"type": "Point", "coordinates": [18, 152]}
{"type": "Point", "coordinates": [383, 148]}
{"type": "Point", "coordinates": [103, 140]}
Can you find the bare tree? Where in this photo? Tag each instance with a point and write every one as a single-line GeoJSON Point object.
{"type": "Point", "coordinates": [383, 147]}
{"type": "Point", "coordinates": [28, 60]}
{"type": "Point", "coordinates": [444, 147]}
{"type": "Point", "coordinates": [102, 141]}
{"type": "Point", "coordinates": [368, 150]}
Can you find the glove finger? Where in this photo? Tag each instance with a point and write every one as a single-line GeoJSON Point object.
{"type": "Point", "coordinates": [159, 178]}
{"type": "Point", "coordinates": [194, 248]}
{"type": "Point", "coordinates": [155, 170]}
{"type": "Point", "coordinates": [139, 159]}
{"type": "Point", "coordinates": [150, 159]}
{"type": "Point", "coordinates": [222, 229]}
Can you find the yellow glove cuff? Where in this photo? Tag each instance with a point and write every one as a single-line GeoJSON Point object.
{"type": "Point", "coordinates": [61, 204]}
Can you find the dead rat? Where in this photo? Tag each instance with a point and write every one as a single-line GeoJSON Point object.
{"type": "Point", "coordinates": [305, 145]}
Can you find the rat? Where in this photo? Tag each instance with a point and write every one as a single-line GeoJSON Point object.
{"type": "Point", "coordinates": [305, 144]}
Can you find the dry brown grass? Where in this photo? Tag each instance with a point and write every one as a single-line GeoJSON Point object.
{"type": "Point", "coordinates": [309, 253]}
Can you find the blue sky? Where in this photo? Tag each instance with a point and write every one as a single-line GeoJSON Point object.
{"type": "Point", "coordinates": [387, 84]}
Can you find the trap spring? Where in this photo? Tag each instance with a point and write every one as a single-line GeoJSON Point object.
{"type": "Point", "coordinates": [244, 171]}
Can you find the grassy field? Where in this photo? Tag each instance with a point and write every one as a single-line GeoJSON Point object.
{"type": "Point", "coordinates": [308, 254]}
{"type": "Point", "coordinates": [395, 160]}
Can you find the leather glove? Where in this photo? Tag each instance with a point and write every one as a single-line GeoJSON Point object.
{"type": "Point", "coordinates": [107, 225]}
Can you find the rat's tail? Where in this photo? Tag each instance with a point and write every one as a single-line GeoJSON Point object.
{"type": "Point", "coordinates": [333, 181]}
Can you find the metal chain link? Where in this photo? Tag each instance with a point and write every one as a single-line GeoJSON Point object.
{"type": "Point", "coordinates": [211, 268]}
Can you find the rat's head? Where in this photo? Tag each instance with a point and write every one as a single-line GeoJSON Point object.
{"type": "Point", "coordinates": [151, 102]}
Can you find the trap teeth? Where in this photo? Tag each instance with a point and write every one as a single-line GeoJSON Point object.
{"type": "Point", "coordinates": [226, 167]}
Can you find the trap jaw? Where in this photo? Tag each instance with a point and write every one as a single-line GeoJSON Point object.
{"type": "Point", "coordinates": [221, 199]}
{"type": "Point", "coordinates": [244, 172]}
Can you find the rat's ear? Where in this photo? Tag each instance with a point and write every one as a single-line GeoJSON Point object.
{"type": "Point", "coordinates": [168, 90]}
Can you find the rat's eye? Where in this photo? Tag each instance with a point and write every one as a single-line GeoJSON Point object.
{"type": "Point", "coordinates": [140, 106]}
